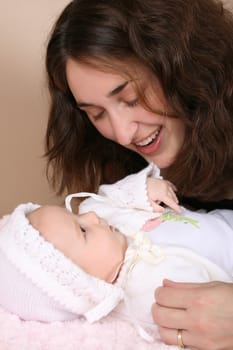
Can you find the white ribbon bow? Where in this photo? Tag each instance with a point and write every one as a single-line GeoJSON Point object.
{"type": "Point", "coordinates": [142, 248]}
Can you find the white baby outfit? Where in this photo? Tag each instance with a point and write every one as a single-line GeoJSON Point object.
{"type": "Point", "coordinates": [182, 242]}
{"type": "Point", "coordinates": [39, 283]}
{"type": "Point", "coordinates": [125, 205]}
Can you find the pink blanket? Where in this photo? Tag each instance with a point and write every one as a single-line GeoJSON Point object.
{"type": "Point", "coordinates": [108, 334]}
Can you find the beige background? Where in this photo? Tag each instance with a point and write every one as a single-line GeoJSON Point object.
{"type": "Point", "coordinates": [24, 28]}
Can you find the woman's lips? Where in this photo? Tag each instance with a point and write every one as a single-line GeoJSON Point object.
{"type": "Point", "coordinates": [151, 144]}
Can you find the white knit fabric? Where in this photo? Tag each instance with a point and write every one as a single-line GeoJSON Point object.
{"type": "Point", "coordinates": [122, 192]}
{"type": "Point", "coordinates": [39, 283]}
{"type": "Point", "coordinates": [124, 204]}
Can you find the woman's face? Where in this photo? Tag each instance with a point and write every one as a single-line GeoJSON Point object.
{"type": "Point", "coordinates": [112, 104]}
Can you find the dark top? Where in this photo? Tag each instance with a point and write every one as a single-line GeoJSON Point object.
{"type": "Point", "coordinates": [195, 204]}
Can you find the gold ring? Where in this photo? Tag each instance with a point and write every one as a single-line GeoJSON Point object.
{"type": "Point", "coordinates": [179, 339]}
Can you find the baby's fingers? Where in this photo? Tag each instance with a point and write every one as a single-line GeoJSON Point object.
{"type": "Point", "coordinates": [171, 194]}
{"type": "Point", "coordinates": [173, 204]}
{"type": "Point", "coordinates": [171, 185]}
{"type": "Point", "coordinates": [157, 207]}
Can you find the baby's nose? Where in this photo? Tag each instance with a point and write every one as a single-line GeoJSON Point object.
{"type": "Point", "coordinates": [93, 217]}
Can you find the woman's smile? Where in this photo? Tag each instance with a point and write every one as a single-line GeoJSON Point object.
{"type": "Point", "coordinates": [150, 144]}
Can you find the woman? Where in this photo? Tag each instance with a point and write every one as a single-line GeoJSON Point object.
{"type": "Point", "coordinates": [149, 81]}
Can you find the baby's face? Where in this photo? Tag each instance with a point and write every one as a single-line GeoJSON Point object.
{"type": "Point", "coordinates": [86, 239]}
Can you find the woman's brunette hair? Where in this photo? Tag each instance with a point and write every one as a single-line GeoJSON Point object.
{"type": "Point", "coordinates": [188, 47]}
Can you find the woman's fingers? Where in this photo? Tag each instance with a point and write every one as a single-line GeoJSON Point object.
{"type": "Point", "coordinates": [169, 318]}
{"type": "Point", "coordinates": [203, 311]}
{"type": "Point", "coordinates": [171, 297]}
{"type": "Point", "coordinates": [172, 320]}
{"type": "Point", "coordinates": [187, 285]}
{"type": "Point", "coordinates": [170, 336]}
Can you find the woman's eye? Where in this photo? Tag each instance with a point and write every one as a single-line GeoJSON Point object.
{"type": "Point", "coordinates": [132, 103]}
{"type": "Point", "coordinates": [91, 115]}
{"type": "Point", "coordinates": [97, 116]}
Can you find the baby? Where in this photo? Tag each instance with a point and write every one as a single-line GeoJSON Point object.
{"type": "Point", "coordinates": [55, 265]}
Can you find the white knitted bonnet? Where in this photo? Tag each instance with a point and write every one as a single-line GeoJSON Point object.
{"type": "Point", "coordinates": [39, 283]}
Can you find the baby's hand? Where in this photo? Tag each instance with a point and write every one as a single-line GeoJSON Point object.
{"type": "Point", "coordinates": [162, 191]}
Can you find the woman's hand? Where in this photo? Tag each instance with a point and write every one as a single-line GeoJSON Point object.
{"type": "Point", "coordinates": [203, 311]}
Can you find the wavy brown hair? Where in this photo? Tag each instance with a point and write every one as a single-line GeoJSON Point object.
{"type": "Point", "coordinates": [188, 47]}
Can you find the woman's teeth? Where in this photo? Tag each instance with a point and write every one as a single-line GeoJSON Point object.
{"type": "Point", "coordinates": [149, 139]}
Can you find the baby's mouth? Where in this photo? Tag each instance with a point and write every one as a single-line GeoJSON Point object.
{"type": "Point", "coordinates": [114, 229]}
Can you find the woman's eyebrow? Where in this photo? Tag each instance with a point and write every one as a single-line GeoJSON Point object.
{"type": "Point", "coordinates": [118, 89]}
{"type": "Point", "coordinates": [114, 92]}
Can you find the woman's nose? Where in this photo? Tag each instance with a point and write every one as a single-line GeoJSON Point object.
{"type": "Point", "coordinates": [123, 128]}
